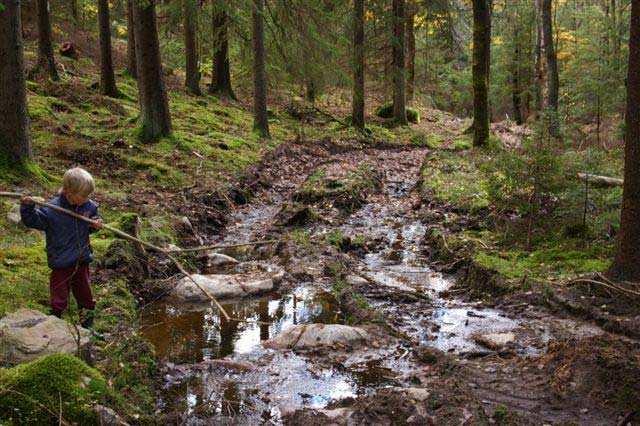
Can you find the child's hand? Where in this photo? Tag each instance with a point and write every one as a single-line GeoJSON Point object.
{"type": "Point", "coordinates": [27, 201]}
{"type": "Point", "coordinates": [97, 223]}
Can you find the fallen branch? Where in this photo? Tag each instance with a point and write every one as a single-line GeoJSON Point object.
{"type": "Point", "coordinates": [221, 246]}
{"type": "Point", "coordinates": [609, 285]}
{"type": "Point", "coordinates": [126, 236]}
{"type": "Point", "coordinates": [601, 181]}
{"type": "Point", "coordinates": [331, 116]}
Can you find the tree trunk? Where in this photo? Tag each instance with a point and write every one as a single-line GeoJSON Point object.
{"type": "Point", "coordinates": [261, 119]}
{"type": "Point", "coordinates": [131, 42]}
{"type": "Point", "coordinates": [540, 66]}
{"type": "Point", "coordinates": [107, 77]}
{"type": "Point", "coordinates": [615, 35]}
{"type": "Point", "coordinates": [411, 54]}
{"type": "Point", "coordinates": [516, 90]}
{"type": "Point", "coordinates": [626, 265]}
{"type": "Point", "coordinates": [155, 120]}
{"type": "Point", "coordinates": [481, 68]}
{"type": "Point", "coordinates": [358, 64]}
{"type": "Point", "coordinates": [45, 45]}
{"type": "Point", "coordinates": [399, 99]}
{"type": "Point", "coordinates": [74, 12]}
{"type": "Point", "coordinates": [14, 125]}
{"type": "Point", "coordinates": [221, 74]}
{"type": "Point", "coordinates": [553, 82]}
{"type": "Point", "coordinates": [192, 77]}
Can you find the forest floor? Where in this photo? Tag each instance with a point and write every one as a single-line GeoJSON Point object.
{"type": "Point", "coordinates": [396, 233]}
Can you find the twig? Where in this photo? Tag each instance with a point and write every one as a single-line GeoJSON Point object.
{"type": "Point", "coordinates": [604, 284]}
{"type": "Point", "coordinates": [127, 237]}
{"type": "Point", "coordinates": [221, 246]}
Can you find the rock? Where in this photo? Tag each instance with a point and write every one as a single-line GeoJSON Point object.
{"type": "Point", "coordinates": [223, 286]}
{"type": "Point", "coordinates": [27, 334]}
{"type": "Point", "coordinates": [108, 417]}
{"type": "Point", "coordinates": [13, 216]}
{"type": "Point", "coordinates": [317, 335]}
{"type": "Point", "coordinates": [495, 341]}
{"type": "Point", "coordinates": [219, 260]}
{"type": "Point", "coordinates": [416, 394]}
{"type": "Point", "coordinates": [356, 280]}
{"type": "Point", "coordinates": [238, 366]}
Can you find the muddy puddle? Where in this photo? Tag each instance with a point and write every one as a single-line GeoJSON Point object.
{"type": "Point", "coordinates": [195, 333]}
{"type": "Point", "coordinates": [252, 381]}
{"type": "Point", "coordinates": [219, 370]}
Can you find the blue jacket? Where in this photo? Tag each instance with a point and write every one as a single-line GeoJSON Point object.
{"type": "Point", "coordinates": [67, 237]}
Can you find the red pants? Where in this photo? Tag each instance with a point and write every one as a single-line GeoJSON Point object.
{"type": "Point", "coordinates": [75, 278]}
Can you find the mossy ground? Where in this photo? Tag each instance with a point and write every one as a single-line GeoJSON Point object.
{"type": "Point", "coordinates": [212, 143]}
{"type": "Point", "coordinates": [549, 244]}
{"type": "Point", "coordinates": [52, 388]}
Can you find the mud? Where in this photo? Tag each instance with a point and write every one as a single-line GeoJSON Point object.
{"type": "Point", "coordinates": [434, 356]}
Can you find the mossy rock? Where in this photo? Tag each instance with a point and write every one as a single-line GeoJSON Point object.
{"type": "Point", "coordinates": [431, 141]}
{"type": "Point", "coordinates": [386, 111]}
{"type": "Point", "coordinates": [31, 393]}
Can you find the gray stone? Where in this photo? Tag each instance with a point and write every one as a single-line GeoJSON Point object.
{"type": "Point", "coordinates": [222, 286]}
{"type": "Point", "coordinates": [356, 280]}
{"type": "Point", "coordinates": [27, 334]}
{"type": "Point", "coordinates": [318, 335]}
{"type": "Point", "coordinates": [219, 259]}
{"type": "Point", "coordinates": [495, 341]}
{"type": "Point", "coordinates": [108, 417]}
{"type": "Point", "coordinates": [13, 216]}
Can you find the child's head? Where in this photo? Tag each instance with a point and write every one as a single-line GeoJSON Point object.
{"type": "Point", "coordinates": [77, 185]}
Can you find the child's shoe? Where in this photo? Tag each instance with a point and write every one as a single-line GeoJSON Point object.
{"type": "Point", "coordinates": [86, 318]}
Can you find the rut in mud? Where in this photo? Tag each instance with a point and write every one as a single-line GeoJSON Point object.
{"type": "Point", "coordinates": [352, 244]}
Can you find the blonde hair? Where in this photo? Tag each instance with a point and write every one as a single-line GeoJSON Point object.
{"type": "Point", "coordinates": [78, 181]}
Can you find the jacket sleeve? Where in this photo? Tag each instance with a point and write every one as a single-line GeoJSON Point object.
{"type": "Point", "coordinates": [33, 217]}
{"type": "Point", "coordinates": [94, 215]}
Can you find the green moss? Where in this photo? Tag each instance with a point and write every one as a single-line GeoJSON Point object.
{"type": "Point", "coordinates": [432, 140]}
{"type": "Point", "coordinates": [553, 262]}
{"type": "Point", "coordinates": [114, 305]}
{"type": "Point", "coordinates": [24, 273]}
{"type": "Point", "coordinates": [346, 193]}
{"type": "Point", "coordinates": [386, 111]}
{"type": "Point", "coordinates": [455, 179]}
{"type": "Point", "coordinates": [131, 369]}
{"type": "Point", "coordinates": [462, 143]}
{"type": "Point", "coordinates": [37, 392]}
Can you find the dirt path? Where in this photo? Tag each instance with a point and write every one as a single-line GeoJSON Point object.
{"type": "Point", "coordinates": [429, 358]}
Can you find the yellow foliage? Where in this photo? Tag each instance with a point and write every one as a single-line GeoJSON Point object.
{"type": "Point", "coordinates": [121, 30]}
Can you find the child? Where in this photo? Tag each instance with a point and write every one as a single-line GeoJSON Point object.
{"type": "Point", "coordinates": [68, 249]}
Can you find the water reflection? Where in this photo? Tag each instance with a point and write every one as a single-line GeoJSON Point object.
{"type": "Point", "coordinates": [191, 334]}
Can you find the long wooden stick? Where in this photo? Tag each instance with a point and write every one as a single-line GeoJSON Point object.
{"type": "Point", "coordinates": [221, 246]}
{"type": "Point", "coordinates": [127, 237]}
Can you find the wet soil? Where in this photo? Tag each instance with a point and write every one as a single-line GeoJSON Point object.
{"type": "Point", "coordinates": [427, 360]}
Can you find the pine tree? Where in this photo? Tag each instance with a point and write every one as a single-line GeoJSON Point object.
{"type": "Point", "coordinates": [261, 119]}
{"type": "Point", "coordinates": [481, 69]}
{"type": "Point", "coordinates": [358, 64]}
{"type": "Point", "coordinates": [221, 75]}
{"type": "Point", "coordinates": [131, 42]}
{"type": "Point", "coordinates": [192, 71]}
{"type": "Point", "coordinates": [553, 80]}
{"type": "Point", "coordinates": [154, 106]}
{"type": "Point", "coordinates": [399, 98]}
{"type": "Point", "coordinates": [626, 265]}
{"type": "Point", "coordinates": [46, 60]}
{"type": "Point", "coordinates": [14, 125]}
{"type": "Point", "coordinates": [107, 76]}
